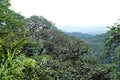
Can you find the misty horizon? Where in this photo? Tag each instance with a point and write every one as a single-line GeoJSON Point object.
{"type": "Point", "coordinates": [89, 29]}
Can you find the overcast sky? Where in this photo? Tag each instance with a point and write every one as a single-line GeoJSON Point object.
{"type": "Point", "coordinates": [71, 12]}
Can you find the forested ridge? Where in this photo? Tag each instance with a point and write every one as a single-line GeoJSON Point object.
{"type": "Point", "coordinates": [34, 49]}
{"type": "Point", "coordinates": [96, 42]}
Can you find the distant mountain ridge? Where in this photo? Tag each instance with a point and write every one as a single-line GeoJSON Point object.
{"type": "Point", "coordinates": [80, 35]}
{"type": "Point", "coordinates": [89, 29]}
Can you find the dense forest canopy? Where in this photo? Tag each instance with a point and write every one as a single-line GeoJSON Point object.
{"type": "Point", "coordinates": [34, 49]}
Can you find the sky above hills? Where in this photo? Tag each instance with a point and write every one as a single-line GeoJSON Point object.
{"type": "Point", "coordinates": [72, 12]}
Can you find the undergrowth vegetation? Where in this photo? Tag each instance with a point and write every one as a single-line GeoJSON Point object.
{"type": "Point", "coordinates": [34, 49]}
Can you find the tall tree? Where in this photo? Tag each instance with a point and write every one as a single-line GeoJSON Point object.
{"type": "Point", "coordinates": [37, 26]}
{"type": "Point", "coordinates": [112, 51]}
{"type": "Point", "coordinates": [12, 25]}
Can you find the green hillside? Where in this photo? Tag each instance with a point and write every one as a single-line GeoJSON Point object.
{"type": "Point", "coordinates": [96, 42]}
{"type": "Point", "coordinates": [34, 49]}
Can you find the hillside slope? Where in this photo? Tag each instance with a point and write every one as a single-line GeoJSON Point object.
{"type": "Point", "coordinates": [96, 42]}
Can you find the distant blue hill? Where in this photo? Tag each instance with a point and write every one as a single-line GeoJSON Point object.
{"type": "Point", "coordinates": [85, 29]}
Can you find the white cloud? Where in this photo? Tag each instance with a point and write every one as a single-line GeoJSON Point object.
{"type": "Point", "coordinates": [71, 12]}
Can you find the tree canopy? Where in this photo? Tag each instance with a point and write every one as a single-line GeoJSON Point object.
{"type": "Point", "coordinates": [34, 49]}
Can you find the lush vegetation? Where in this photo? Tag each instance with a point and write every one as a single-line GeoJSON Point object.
{"type": "Point", "coordinates": [34, 49]}
{"type": "Point", "coordinates": [80, 35]}
{"type": "Point", "coordinates": [96, 42]}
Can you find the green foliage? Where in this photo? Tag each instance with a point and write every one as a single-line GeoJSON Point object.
{"type": "Point", "coordinates": [37, 26]}
{"type": "Point", "coordinates": [50, 54]}
{"type": "Point", "coordinates": [44, 67]}
{"type": "Point", "coordinates": [111, 52]}
{"type": "Point", "coordinates": [12, 66]}
{"type": "Point", "coordinates": [32, 48]}
{"type": "Point", "coordinates": [17, 47]}
{"type": "Point", "coordinates": [12, 25]}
